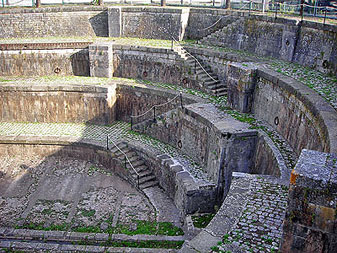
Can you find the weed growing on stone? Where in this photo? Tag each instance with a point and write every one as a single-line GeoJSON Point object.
{"type": "Point", "coordinates": [202, 220]}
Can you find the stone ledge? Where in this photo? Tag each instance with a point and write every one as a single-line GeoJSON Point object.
{"type": "Point", "coordinates": [226, 218]}
{"type": "Point", "coordinates": [54, 247]}
{"type": "Point", "coordinates": [14, 87]}
{"type": "Point", "coordinates": [64, 236]}
{"type": "Point", "coordinates": [53, 9]}
{"type": "Point", "coordinates": [45, 45]}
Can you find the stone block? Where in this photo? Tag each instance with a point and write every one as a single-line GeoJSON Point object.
{"type": "Point", "coordinates": [241, 83]}
{"type": "Point", "coordinates": [115, 21]}
{"type": "Point", "coordinates": [311, 221]}
{"type": "Point", "coordinates": [100, 60]}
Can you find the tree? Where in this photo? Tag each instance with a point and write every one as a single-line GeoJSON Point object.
{"type": "Point", "coordinates": [228, 4]}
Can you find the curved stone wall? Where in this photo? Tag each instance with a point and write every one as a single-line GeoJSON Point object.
{"type": "Point", "coordinates": [297, 112]}
{"type": "Point", "coordinates": [57, 103]}
{"type": "Point", "coordinates": [307, 43]}
{"type": "Point", "coordinates": [84, 103]}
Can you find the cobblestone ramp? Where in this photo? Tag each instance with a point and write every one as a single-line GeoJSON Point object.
{"type": "Point", "coordinates": [249, 220]}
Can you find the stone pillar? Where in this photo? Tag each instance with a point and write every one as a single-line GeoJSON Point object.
{"type": "Point", "coordinates": [115, 21]}
{"type": "Point", "coordinates": [241, 84]}
{"type": "Point", "coordinates": [311, 219]}
{"type": "Point", "coordinates": [100, 60]}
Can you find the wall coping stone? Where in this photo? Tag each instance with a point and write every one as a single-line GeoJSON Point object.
{"type": "Point", "coordinates": [52, 9]}
{"type": "Point", "coordinates": [321, 109]}
{"type": "Point", "coordinates": [44, 45]}
{"type": "Point", "coordinates": [95, 88]}
{"type": "Point", "coordinates": [222, 123]}
{"type": "Point", "coordinates": [316, 170]}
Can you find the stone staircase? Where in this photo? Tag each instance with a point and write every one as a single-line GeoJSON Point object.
{"type": "Point", "coordinates": [203, 73]}
{"type": "Point", "coordinates": [231, 32]}
{"type": "Point", "coordinates": [146, 177]}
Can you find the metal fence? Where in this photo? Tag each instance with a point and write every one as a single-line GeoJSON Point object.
{"type": "Point", "coordinates": [311, 8]}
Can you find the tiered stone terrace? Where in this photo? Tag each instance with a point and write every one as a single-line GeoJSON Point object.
{"type": "Point", "coordinates": [196, 149]}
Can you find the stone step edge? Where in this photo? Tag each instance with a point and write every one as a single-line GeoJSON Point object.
{"type": "Point", "coordinates": [65, 236]}
{"type": "Point", "coordinates": [55, 247]}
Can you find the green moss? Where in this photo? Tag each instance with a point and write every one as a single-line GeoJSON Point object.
{"type": "Point", "coordinates": [202, 220]}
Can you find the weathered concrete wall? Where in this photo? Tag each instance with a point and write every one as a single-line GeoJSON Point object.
{"type": "Point", "coordinates": [308, 43]}
{"type": "Point", "coordinates": [135, 100]}
{"type": "Point", "coordinates": [219, 143]}
{"type": "Point", "coordinates": [317, 47]}
{"type": "Point", "coordinates": [44, 62]}
{"type": "Point", "coordinates": [298, 113]}
{"type": "Point", "coordinates": [55, 21]}
{"type": "Point", "coordinates": [153, 64]}
{"type": "Point", "coordinates": [77, 148]}
{"type": "Point", "coordinates": [203, 22]}
{"type": "Point", "coordinates": [57, 103]}
{"type": "Point", "coordinates": [310, 223]}
{"type": "Point", "coordinates": [151, 23]}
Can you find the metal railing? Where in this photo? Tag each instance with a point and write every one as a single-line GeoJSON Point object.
{"type": "Point", "coordinates": [153, 109]}
{"type": "Point", "coordinates": [326, 12]}
{"type": "Point", "coordinates": [126, 159]}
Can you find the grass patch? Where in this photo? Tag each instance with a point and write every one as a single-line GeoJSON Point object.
{"type": "Point", "coordinates": [202, 220]}
{"type": "Point", "coordinates": [88, 213]}
{"type": "Point", "coordinates": [138, 244]}
{"type": "Point", "coordinates": [149, 228]}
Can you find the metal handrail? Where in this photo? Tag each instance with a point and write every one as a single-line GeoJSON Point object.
{"type": "Point", "coordinates": [126, 159]}
{"type": "Point", "coordinates": [154, 108]}
{"type": "Point", "coordinates": [196, 60]}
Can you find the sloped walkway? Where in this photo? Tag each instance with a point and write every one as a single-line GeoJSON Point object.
{"type": "Point", "coordinates": [249, 220]}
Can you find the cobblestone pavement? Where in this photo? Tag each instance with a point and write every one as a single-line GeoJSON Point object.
{"type": "Point", "coordinates": [260, 226]}
{"type": "Point", "coordinates": [117, 131]}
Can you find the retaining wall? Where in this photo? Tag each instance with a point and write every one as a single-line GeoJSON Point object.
{"type": "Point", "coordinates": [64, 62]}
{"type": "Point", "coordinates": [219, 143]}
{"type": "Point", "coordinates": [58, 103]}
{"type": "Point", "coordinates": [311, 221]}
{"type": "Point", "coordinates": [54, 21]}
{"type": "Point", "coordinates": [153, 64]}
{"type": "Point", "coordinates": [297, 112]}
{"type": "Point", "coordinates": [307, 43]}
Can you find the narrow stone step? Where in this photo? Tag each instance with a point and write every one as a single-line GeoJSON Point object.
{"type": "Point", "coordinates": [141, 168]}
{"type": "Point", "coordinates": [207, 76]}
{"type": "Point", "coordinates": [131, 159]}
{"type": "Point", "coordinates": [214, 85]}
{"type": "Point", "coordinates": [130, 154]}
{"type": "Point", "coordinates": [142, 173]}
{"type": "Point", "coordinates": [148, 184]}
{"type": "Point", "coordinates": [135, 164]}
{"type": "Point", "coordinates": [146, 179]}
{"type": "Point", "coordinates": [121, 146]}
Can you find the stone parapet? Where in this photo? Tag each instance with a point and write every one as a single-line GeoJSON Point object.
{"type": "Point", "coordinates": [311, 222]}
